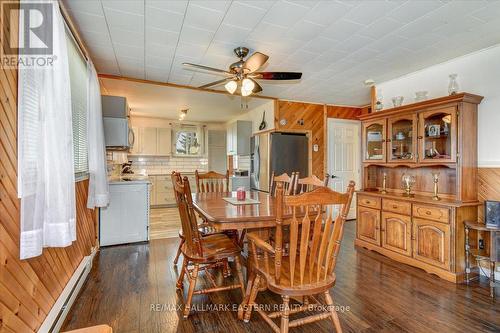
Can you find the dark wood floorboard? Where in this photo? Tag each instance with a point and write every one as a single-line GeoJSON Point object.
{"type": "Point", "coordinates": [132, 288]}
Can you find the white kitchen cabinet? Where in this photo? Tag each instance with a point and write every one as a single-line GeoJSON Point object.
{"type": "Point", "coordinates": [238, 137]}
{"type": "Point", "coordinates": [149, 140]}
{"type": "Point", "coordinates": [136, 147]}
{"type": "Point", "coordinates": [164, 141]}
{"type": "Point", "coordinates": [217, 160]}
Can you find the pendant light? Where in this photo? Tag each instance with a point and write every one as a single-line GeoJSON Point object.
{"type": "Point", "coordinates": [231, 86]}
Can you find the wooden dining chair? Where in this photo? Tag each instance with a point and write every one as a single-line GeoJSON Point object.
{"type": "Point", "coordinates": [309, 269]}
{"type": "Point", "coordinates": [201, 253]}
{"type": "Point", "coordinates": [289, 183]}
{"type": "Point", "coordinates": [212, 181]}
{"type": "Point", "coordinates": [310, 183]}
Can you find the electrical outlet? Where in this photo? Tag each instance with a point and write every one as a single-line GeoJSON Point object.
{"type": "Point", "coordinates": [481, 244]}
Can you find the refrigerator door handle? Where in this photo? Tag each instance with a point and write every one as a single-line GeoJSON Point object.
{"type": "Point", "coordinates": [257, 163]}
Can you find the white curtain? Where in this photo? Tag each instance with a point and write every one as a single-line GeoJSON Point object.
{"type": "Point", "coordinates": [98, 184]}
{"type": "Point", "coordinates": [46, 181]}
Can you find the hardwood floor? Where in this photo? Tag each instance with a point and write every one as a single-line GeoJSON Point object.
{"type": "Point", "coordinates": [164, 223]}
{"type": "Point", "coordinates": [132, 288]}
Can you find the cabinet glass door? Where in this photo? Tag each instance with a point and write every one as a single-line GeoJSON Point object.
{"type": "Point", "coordinates": [374, 141]}
{"type": "Point", "coordinates": [438, 135]}
{"type": "Point", "coordinates": [402, 143]}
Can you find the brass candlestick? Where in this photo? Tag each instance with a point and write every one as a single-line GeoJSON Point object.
{"type": "Point", "coordinates": [435, 178]}
{"type": "Point", "coordinates": [384, 183]}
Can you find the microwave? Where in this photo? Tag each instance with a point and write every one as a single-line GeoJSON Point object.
{"type": "Point", "coordinates": [117, 133]}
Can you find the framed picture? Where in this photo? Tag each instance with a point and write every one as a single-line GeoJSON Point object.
{"type": "Point", "coordinates": [434, 130]}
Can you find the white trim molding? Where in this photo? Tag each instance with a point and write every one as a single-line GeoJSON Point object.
{"type": "Point", "coordinates": [488, 164]}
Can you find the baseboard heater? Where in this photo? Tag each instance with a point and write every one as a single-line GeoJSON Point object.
{"type": "Point", "coordinates": [61, 307]}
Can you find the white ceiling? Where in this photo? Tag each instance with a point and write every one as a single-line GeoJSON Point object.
{"type": "Point", "coordinates": [336, 44]}
{"type": "Point", "coordinates": [155, 100]}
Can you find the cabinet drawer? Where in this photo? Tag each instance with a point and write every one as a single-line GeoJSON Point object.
{"type": "Point", "coordinates": [431, 213]}
{"type": "Point", "coordinates": [371, 202]}
{"type": "Point", "coordinates": [165, 198]}
{"type": "Point", "coordinates": [164, 186]}
{"type": "Point", "coordinates": [394, 206]}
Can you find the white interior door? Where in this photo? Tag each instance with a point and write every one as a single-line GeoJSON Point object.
{"type": "Point", "coordinates": [344, 149]}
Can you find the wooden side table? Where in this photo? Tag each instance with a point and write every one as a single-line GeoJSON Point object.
{"type": "Point", "coordinates": [490, 252]}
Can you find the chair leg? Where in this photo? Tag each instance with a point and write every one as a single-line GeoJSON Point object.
{"type": "Point", "coordinates": [180, 280]}
{"type": "Point", "coordinates": [243, 307]}
{"type": "Point", "coordinates": [179, 251]}
{"type": "Point", "coordinates": [251, 299]}
{"type": "Point", "coordinates": [226, 270]}
{"type": "Point", "coordinates": [333, 313]}
{"type": "Point", "coordinates": [240, 274]}
{"type": "Point", "coordinates": [286, 313]}
{"type": "Point", "coordinates": [192, 284]}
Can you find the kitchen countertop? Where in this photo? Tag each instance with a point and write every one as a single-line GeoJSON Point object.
{"type": "Point", "coordinates": [129, 179]}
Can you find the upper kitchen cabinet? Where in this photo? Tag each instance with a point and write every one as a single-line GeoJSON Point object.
{"type": "Point", "coordinates": [238, 137]}
{"type": "Point", "coordinates": [438, 135]}
{"type": "Point", "coordinates": [152, 141]}
{"type": "Point", "coordinates": [401, 138]}
{"type": "Point", "coordinates": [374, 140]}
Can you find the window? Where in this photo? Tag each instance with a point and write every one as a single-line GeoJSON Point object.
{"type": "Point", "coordinates": [78, 79]}
{"type": "Point", "coordinates": [188, 140]}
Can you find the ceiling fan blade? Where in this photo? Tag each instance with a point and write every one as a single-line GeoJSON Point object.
{"type": "Point", "coordinates": [215, 83]}
{"type": "Point", "coordinates": [206, 68]}
{"type": "Point", "coordinates": [255, 61]}
{"type": "Point", "coordinates": [277, 75]}
{"type": "Point", "coordinates": [257, 88]}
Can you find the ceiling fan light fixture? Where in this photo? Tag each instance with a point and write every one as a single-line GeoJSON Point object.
{"type": "Point", "coordinates": [231, 86]}
{"type": "Point", "coordinates": [247, 84]}
{"type": "Point", "coordinates": [245, 92]}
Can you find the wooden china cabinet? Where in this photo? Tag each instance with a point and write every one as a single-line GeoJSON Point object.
{"type": "Point", "coordinates": [420, 139]}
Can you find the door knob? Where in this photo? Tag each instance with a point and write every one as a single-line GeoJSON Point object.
{"type": "Point", "coordinates": [333, 176]}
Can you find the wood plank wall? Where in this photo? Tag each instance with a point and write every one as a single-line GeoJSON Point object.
{"type": "Point", "coordinates": [29, 288]}
{"type": "Point", "coordinates": [314, 119]}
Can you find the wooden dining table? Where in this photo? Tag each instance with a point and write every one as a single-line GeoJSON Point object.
{"type": "Point", "coordinates": [223, 215]}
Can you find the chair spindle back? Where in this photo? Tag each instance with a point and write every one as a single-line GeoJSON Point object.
{"type": "Point", "coordinates": [212, 182]}
{"type": "Point", "coordinates": [310, 183]}
{"type": "Point", "coordinates": [189, 223]}
{"type": "Point", "coordinates": [289, 183]}
{"type": "Point", "coordinates": [314, 240]}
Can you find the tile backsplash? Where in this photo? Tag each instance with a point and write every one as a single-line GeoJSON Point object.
{"type": "Point", "coordinates": [166, 164]}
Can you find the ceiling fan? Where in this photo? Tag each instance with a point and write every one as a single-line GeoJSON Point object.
{"type": "Point", "coordinates": [243, 73]}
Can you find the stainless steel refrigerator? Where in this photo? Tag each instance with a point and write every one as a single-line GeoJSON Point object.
{"type": "Point", "coordinates": [277, 152]}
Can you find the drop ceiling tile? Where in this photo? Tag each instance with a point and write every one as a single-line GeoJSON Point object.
{"type": "Point", "coordinates": [489, 12]}
{"type": "Point", "coordinates": [217, 61]}
{"type": "Point", "coordinates": [380, 28]}
{"type": "Point", "coordinates": [130, 6]}
{"type": "Point", "coordinates": [218, 48]}
{"type": "Point", "coordinates": [154, 75]}
{"type": "Point", "coordinates": [457, 8]}
{"type": "Point", "coordinates": [300, 57]}
{"type": "Point", "coordinates": [188, 49]}
{"type": "Point", "coordinates": [162, 71]}
{"type": "Point", "coordinates": [200, 78]}
{"type": "Point", "coordinates": [354, 43]}
{"type": "Point", "coordinates": [267, 32]}
{"type": "Point", "coordinates": [422, 41]}
{"type": "Point", "coordinates": [227, 32]}
{"type": "Point", "coordinates": [124, 21]}
{"type": "Point", "coordinates": [179, 79]}
{"type": "Point", "coordinates": [161, 37]}
{"type": "Point", "coordinates": [89, 22]}
{"type": "Point", "coordinates": [332, 55]}
{"type": "Point", "coordinates": [195, 35]}
{"type": "Point", "coordinates": [96, 38]}
{"type": "Point", "coordinates": [327, 12]}
{"type": "Point", "coordinates": [203, 18]}
{"type": "Point", "coordinates": [244, 15]}
{"type": "Point", "coordinates": [92, 7]}
{"type": "Point", "coordinates": [285, 14]}
{"type": "Point", "coordinates": [160, 50]}
{"type": "Point", "coordinates": [305, 30]}
{"type": "Point", "coordinates": [176, 6]}
{"type": "Point", "coordinates": [262, 4]}
{"type": "Point", "coordinates": [103, 52]}
{"type": "Point", "coordinates": [458, 24]}
{"type": "Point", "coordinates": [368, 11]}
{"type": "Point", "coordinates": [219, 5]}
{"type": "Point", "coordinates": [341, 30]}
{"type": "Point", "coordinates": [387, 42]}
{"type": "Point", "coordinates": [132, 72]}
{"type": "Point", "coordinates": [319, 44]}
{"type": "Point", "coordinates": [164, 20]}
{"type": "Point", "coordinates": [132, 38]}
{"type": "Point", "coordinates": [412, 10]}
{"type": "Point", "coordinates": [283, 46]}
{"type": "Point", "coordinates": [107, 68]}
{"type": "Point", "coordinates": [129, 51]}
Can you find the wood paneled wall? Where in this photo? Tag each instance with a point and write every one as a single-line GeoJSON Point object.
{"type": "Point", "coordinates": [29, 288]}
{"type": "Point", "coordinates": [314, 118]}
